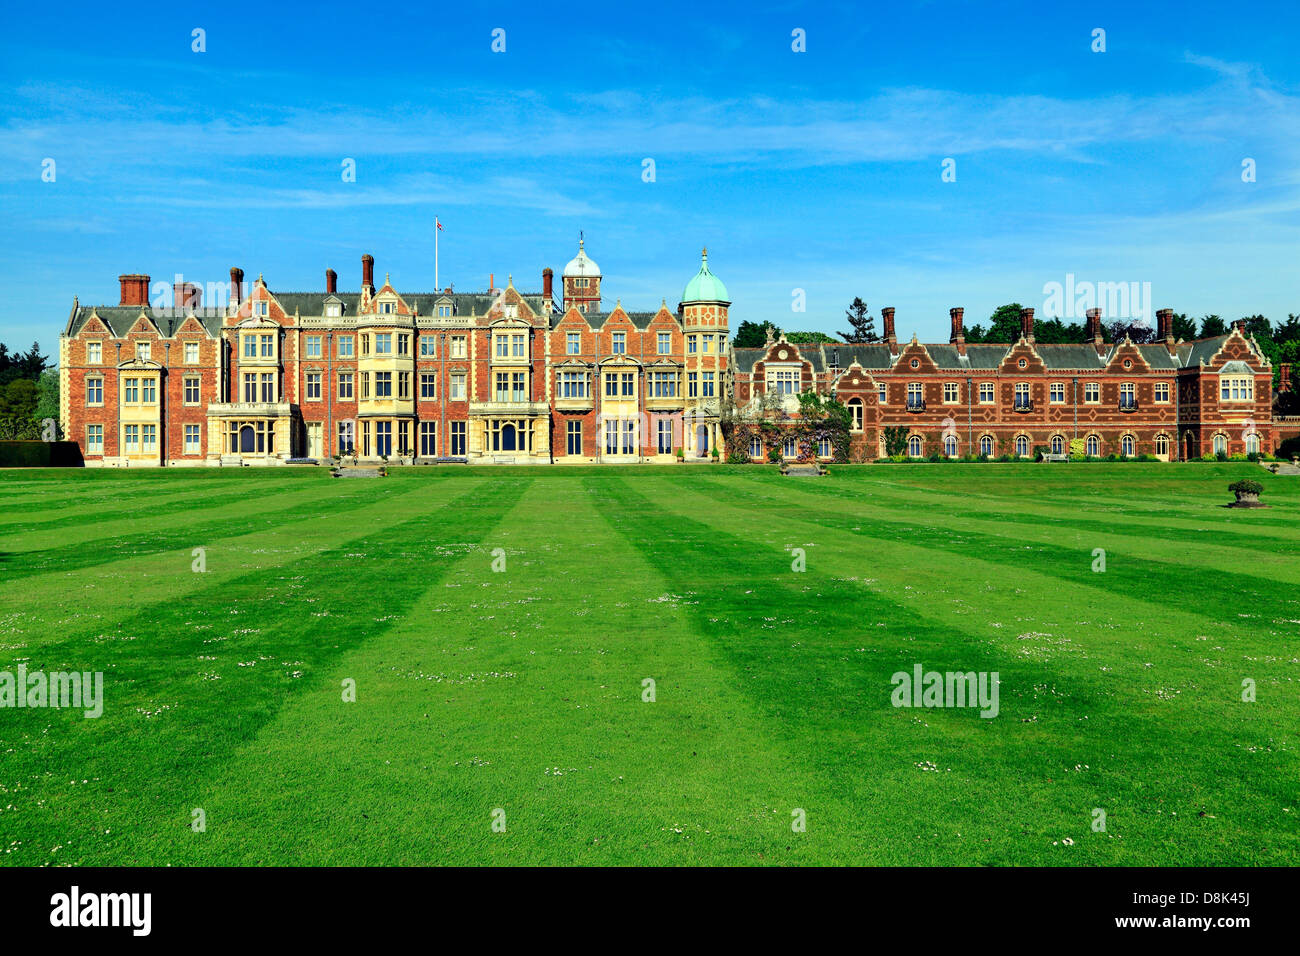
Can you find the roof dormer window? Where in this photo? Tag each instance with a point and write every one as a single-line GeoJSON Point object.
{"type": "Point", "coordinates": [259, 308]}
{"type": "Point", "coordinates": [333, 310]}
{"type": "Point", "coordinates": [386, 308]}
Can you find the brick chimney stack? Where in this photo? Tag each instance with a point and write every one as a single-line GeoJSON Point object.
{"type": "Point", "coordinates": [135, 289]}
{"type": "Point", "coordinates": [1239, 325]}
{"type": "Point", "coordinates": [236, 285]}
{"type": "Point", "coordinates": [958, 334]}
{"type": "Point", "coordinates": [547, 280]}
{"type": "Point", "coordinates": [1284, 377]}
{"type": "Point", "coordinates": [331, 282]}
{"type": "Point", "coordinates": [1165, 325]}
{"type": "Point", "coordinates": [887, 317]}
{"type": "Point", "coordinates": [1027, 325]}
{"type": "Point", "coordinates": [368, 272]}
{"type": "Point", "coordinates": [186, 295]}
{"type": "Point", "coordinates": [1093, 327]}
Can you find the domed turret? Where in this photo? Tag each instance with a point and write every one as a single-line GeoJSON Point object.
{"type": "Point", "coordinates": [705, 286]}
{"type": "Point", "coordinates": [581, 278]}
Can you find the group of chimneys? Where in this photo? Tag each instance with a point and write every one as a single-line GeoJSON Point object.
{"type": "Point", "coordinates": [188, 295]}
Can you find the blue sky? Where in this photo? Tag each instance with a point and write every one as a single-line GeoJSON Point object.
{"type": "Point", "coordinates": [818, 170]}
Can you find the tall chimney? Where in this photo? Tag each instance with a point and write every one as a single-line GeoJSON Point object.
{"type": "Point", "coordinates": [1239, 325]}
{"type": "Point", "coordinates": [236, 285]}
{"type": "Point", "coordinates": [1093, 328]}
{"type": "Point", "coordinates": [135, 289]}
{"type": "Point", "coordinates": [958, 331]}
{"type": "Point", "coordinates": [1027, 325]}
{"type": "Point", "coordinates": [491, 281]}
{"type": "Point", "coordinates": [186, 295]}
{"type": "Point", "coordinates": [368, 271]}
{"type": "Point", "coordinates": [887, 317]}
{"type": "Point", "coordinates": [547, 279]}
{"type": "Point", "coordinates": [1165, 325]}
{"type": "Point", "coordinates": [1284, 377]}
{"type": "Point", "coordinates": [331, 281]}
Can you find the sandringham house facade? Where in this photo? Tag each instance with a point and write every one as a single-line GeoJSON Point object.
{"type": "Point", "coordinates": [505, 376]}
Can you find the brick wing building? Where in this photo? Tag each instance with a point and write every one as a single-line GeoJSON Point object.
{"type": "Point", "coordinates": [254, 376]}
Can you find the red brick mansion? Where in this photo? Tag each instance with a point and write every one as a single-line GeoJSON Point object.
{"type": "Point", "coordinates": [507, 376]}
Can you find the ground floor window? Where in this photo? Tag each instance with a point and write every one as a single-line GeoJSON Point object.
{"type": "Point", "coordinates": [789, 448]}
{"type": "Point", "coordinates": [131, 439]}
{"type": "Point", "coordinates": [1022, 446]}
{"type": "Point", "coordinates": [664, 442]}
{"type": "Point", "coordinates": [458, 430]}
{"type": "Point", "coordinates": [94, 439]}
{"type": "Point", "coordinates": [1093, 446]}
{"type": "Point", "coordinates": [428, 439]}
{"type": "Point", "coordinates": [824, 449]}
{"type": "Point", "coordinates": [914, 446]}
{"type": "Point", "coordinates": [1220, 445]}
{"type": "Point", "coordinates": [508, 435]}
{"type": "Point", "coordinates": [986, 445]}
{"type": "Point", "coordinates": [620, 436]}
{"type": "Point", "coordinates": [1162, 444]}
{"type": "Point", "coordinates": [1058, 445]}
{"type": "Point", "coordinates": [250, 438]}
{"type": "Point", "coordinates": [1252, 444]}
{"type": "Point", "coordinates": [347, 437]}
{"type": "Point", "coordinates": [950, 446]}
{"type": "Point", "coordinates": [573, 437]}
{"type": "Point", "coordinates": [1127, 446]}
{"type": "Point", "coordinates": [755, 447]}
{"type": "Point", "coordinates": [191, 439]}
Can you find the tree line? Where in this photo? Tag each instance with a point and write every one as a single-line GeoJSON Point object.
{"type": "Point", "coordinates": [29, 392]}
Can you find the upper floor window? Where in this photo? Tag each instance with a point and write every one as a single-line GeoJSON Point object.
{"type": "Point", "coordinates": [260, 308]}
{"type": "Point", "coordinates": [346, 346]}
{"type": "Point", "coordinates": [94, 353]}
{"type": "Point", "coordinates": [387, 308]}
{"type": "Point", "coordinates": [1127, 395]}
{"type": "Point", "coordinates": [950, 393]}
{"type": "Point", "coordinates": [690, 345]}
{"type": "Point", "coordinates": [1091, 393]}
{"type": "Point", "coordinates": [1236, 388]}
{"type": "Point", "coordinates": [619, 343]}
{"type": "Point", "coordinates": [313, 346]}
{"type": "Point", "coordinates": [383, 343]}
{"type": "Point", "coordinates": [572, 343]}
{"type": "Point", "coordinates": [94, 391]}
{"type": "Point", "coordinates": [1162, 393]}
{"type": "Point", "coordinates": [191, 353]}
{"type": "Point", "coordinates": [665, 343]}
{"type": "Point", "coordinates": [268, 346]}
{"type": "Point", "coordinates": [708, 342]}
{"type": "Point", "coordinates": [518, 345]}
{"type": "Point", "coordinates": [444, 311]}
{"type": "Point", "coordinates": [333, 310]}
{"type": "Point", "coordinates": [458, 346]}
{"type": "Point", "coordinates": [142, 351]}
{"type": "Point", "coordinates": [884, 392]}
{"type": "Point", "coordinates": [572, 385]}
{"type": "Point", "coordinates": [783, 381]}
{"type": "Point", "coordinates": [428, 345]}
{"type": "Point", "coordinates": [855, 409]}
{"type": "Point", "coordinates": [403, 343]}
{"type": "Point", "coordinates": [915, 395]}
{"type": "Point", "coordinates": [1056, 393]}
{"type": "Point", "coordinates": [662, 385]}
{"type": "Point", "coordinates": [986, 393]}
{"type": "Point", "coordinates": [1022, 398]}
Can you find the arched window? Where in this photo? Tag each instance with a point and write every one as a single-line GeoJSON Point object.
{"type": "Point", "coordinates": [755, 447]}
{"type": "Point", "coordinates": [789, 448]}
{"type": "Point", "coordinates": [986, 445]}
{"type": "Point", "coordinates": [855, 408]}
{"type": "Point", "coordinates": [1022, 446]}
{"type": "Point", "coordinates": [1058, 445]}
{"type": "Point", "coordinates": [914, 446]}
{"type": "Point", "coordinates": [1220, 445]}
{"type": "Point", "coordinates": [1126, 446]}
{"type": "Point", "coordinates": [950, 446]}
{"type": "Point", "coordinates": [507, 437]}
{"type": "Point", "coordinates": [247, 438]}
{"type": "Point", "coordinates": [824, 448]}
{"type": "Point", "coordinates": [1093, 446]}
{"type": "Point", "coordinates": [1162, 444]}
{"type": "Point", "coordinates": [1252, 444]}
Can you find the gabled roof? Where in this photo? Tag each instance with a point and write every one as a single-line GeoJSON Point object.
{"type": "Point", "coordinates": [121, 318]}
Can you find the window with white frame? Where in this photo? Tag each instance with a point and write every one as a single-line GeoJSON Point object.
{"type": "Point", "coordinates": [313, 346]}
{"type": "Point", "coordinates": [572, 343]}
{"type": "Point", "coordinates": [1022, 446]}
{"type": "Point", "coordinates": [824, 449]}
{"type": "Point", "coordinates": [1252, 444]}
{"type": "Point", "coordinates": [783, 381]}
{"type": "Point", "coordinates": [789, 448]}
{"type": "Point", "coordinates": [572, 385]}
{"type": "Point", "coordinates": [94, 353]}
{"type": "Point", "coordinates": [1162, 444]}
{"type": "Point", "coordinates": [191, 389]}
{"type": "Point", "coordinates": [665, 343]}
{"type": "Point", "coordinates": [986, 393]}
{"type": "Point", "coordinates": [347, 346]}
{"type": "Point", "coordinates": [662, 385]}
{"type": "Point", "coordinates": [755, 447]}
{"type": "Point", "coordinates": [260, 308]}
{"type": "Point", "coordinates": [855, 409]}
{"type": "Point", "coordinates": [457, 387]}
{"type": "Point", "coordinates": [950, 446]}
{"type": "Point", "coordinates": [345, 386]}
{"type": "Point", "coordinates": [191, 439]}
{"type": "Point", "coordinates": [987, 446]}
{"type": "Point", "coordinates": [914, 446]}
{"type": "Point", "coordinates": [951, 394]}
{"type": "Point", "coordinates": [94, 439]}
{"type": "Point", "coordinates": [313, 386]}
{"type": "Point", "coordinates": [1127, 395]}
{"type": "Point", "coordinates": [1236, 388]}
{"type": "Point", "coordinates": [142, 351]}
{"type": "Point", "coordinates": [1092, 446]}
{"type": "Point", "coordinates": [191, 353]}
{"type": "Point", "coordinates": [1162, 393]}
{"type": "Point", "coordinates": [428, 385]}
{"type": "Point", "coordinates": [1220, 444]}
{"type": "Point", "coordinates": [383, 343]}
{"type": "Point", "coordinates": [884, 392]}
{"type": "Point", "coordinates": [1126, 446]}
{"type": "Point", "coordinates": [94, 391]}
{"type": "Point", "coordinates": [131, 439]}
{"type": "Point", "coordinates": [619, 343]}
{"type": "Point", "coordinates": [1056, 393]}
{"type": "Point", "coordinates": [1091, 393]}
{"type": "Point", "coordinates": [458, 346]}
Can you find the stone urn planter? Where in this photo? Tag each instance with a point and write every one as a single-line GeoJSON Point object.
{"type": "Point", "coordinates": [1247, 492]}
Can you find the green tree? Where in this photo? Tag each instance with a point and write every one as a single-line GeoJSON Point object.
{"type": "Point", "coordinates": [1184, 328]}
{"type": "Point", "coordinates": [47, 400]}
{"type": "Point", "coordinates": [1004, 324]}
{"type": "Point", "coordinates": [1212, 325]}
{"type": "Point", "coordinates": [863, 325]}
{"type": "Point", "coordinates": [753, 335]}
{"type": "Point", "coordinates": [800, 338]}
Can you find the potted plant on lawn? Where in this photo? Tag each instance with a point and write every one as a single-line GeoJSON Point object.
{"type": "Point", "coordinates": [1247, 491]}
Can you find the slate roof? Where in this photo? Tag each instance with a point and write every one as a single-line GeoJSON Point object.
{"type": "Point", "coordinates": [120, 319]}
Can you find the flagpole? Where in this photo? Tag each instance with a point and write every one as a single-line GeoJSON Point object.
{"type": "Point", "coordinates": [436, 287]}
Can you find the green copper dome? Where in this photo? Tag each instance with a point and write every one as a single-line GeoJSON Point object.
{"type": "Point", "coordinates": [705, 287]}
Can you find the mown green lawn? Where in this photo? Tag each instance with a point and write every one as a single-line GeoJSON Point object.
{"type": "Point", "coordinates": [521, 691]}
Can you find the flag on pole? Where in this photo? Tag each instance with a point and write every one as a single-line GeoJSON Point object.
{"type": "Point", "coordinates": [439, 223]}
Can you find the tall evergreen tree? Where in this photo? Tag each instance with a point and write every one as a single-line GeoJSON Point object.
{"type": "Point", "coordinates": [863, 325]}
